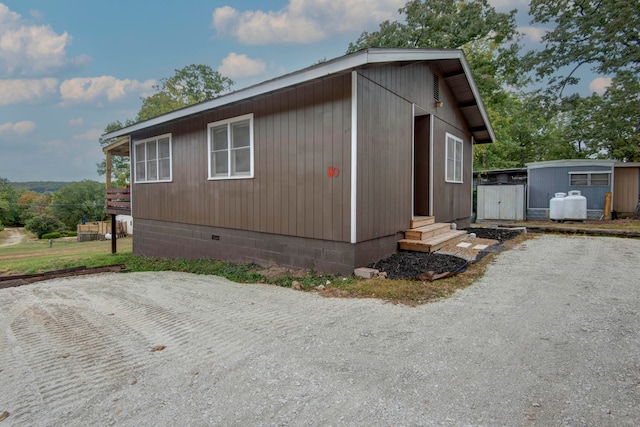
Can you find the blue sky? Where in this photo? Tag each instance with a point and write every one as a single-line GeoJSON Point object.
{"type": "Point", "coordinates": [70, 67]}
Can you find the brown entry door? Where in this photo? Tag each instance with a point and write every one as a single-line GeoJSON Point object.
{"type": "Point", "coordinates": [421, 165]}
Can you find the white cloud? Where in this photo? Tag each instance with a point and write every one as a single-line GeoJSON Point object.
{"type": "Point", "coordinates": [22, 90]}
{"type": "Point", "coordinates": [506, 5]}
{"type": "Point", "coordinates": [237, 66]}
{"type": "Point", "coordinates": [90, 135]}
{"type": "Point", "coordinates": [303, 21]}
{"type": "Point", "coordinates": [599, 85]}
{"type": "Point", "coordinates": [87, 89]}
{"type": "Point", "coordinates": [534, 34]}
{"type": "Point", "coordinates": [19, 128]}
{"type": "Point", "coordinates": [76, 122]}
{"type": "Point", "coordinates": [31, 49]}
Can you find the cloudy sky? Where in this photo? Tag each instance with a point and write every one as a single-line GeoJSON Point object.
{"type": "Point", "coordinates": [70, 67]}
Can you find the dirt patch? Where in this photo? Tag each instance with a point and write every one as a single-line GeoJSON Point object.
{"type": "Point", "coordinates": [276, 271]}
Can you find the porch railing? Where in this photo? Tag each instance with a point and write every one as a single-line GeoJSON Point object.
{"type": "Point", "coordinates": [118, 201]}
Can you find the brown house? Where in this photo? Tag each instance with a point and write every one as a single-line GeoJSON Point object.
{"type": "Point", "coordinates": [324, 168]}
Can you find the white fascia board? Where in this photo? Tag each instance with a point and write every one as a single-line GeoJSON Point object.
{"type": "Point", "coordinates": [320, 71]}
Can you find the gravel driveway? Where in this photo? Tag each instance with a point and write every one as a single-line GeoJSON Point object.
{"type": "Point", "coordinates": [549, 336]}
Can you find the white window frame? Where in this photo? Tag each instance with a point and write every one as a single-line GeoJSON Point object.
{"type": "Point", "coordinates": [145, 162]}
{"type": "Point", "coordinates": [229, 149]}
{"type": "Point", "coordinates": [453, 159]}
{"type": "Point", "coordinates": [589, 175]}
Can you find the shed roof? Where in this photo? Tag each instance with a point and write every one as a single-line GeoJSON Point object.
{"type": "Point", "coordinates": [581, 162]}
{"type": "Point", "coordinates": [451, 62]}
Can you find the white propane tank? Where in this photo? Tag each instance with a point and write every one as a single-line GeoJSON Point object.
{"type": "Point", "coordinates": [556, 207]}
{"type": "Point", "coordinates": [575, 206]}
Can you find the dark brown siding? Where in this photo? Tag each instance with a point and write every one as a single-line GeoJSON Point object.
{"type": "Point", "coordinates": [451, 201]}
{"type": "Point", "coordinates": [299, 133]}
{"type": "Point", "coordinates": [384, 194]}
{"type": "Point", "coordinates": [414, 83]}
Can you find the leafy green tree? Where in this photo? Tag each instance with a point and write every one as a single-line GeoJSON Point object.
{"type": "Point", "coordinates": [9, 211]}
{"type": "Point", "coordinates": [189, 85]}
{"type": "Point", "coordinates": [32, 203]}
{"type": "Point", "coordinates": [601, 34]}
{"type": "Point", "coordinates": [489, 38]}
{"type": "Point", "coordinates": [607, 126]}
{"type": "Point", "coordinates": [73, 201]}
{"type": "Point", "coordinates": [44, 223]}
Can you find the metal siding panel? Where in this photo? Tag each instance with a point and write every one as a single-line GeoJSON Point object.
{"type": "Point", "coordinates": [625, 195]}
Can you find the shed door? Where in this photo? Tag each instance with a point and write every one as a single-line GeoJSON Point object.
{"type": "Point", "coordinates": [625, 191]}
{"type": "Point", "coordinates": [502, 202]}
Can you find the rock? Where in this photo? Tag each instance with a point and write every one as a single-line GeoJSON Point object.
{"type": "Point", "coordinates": [295, 285]}
{"type": "Point", "coordinates": [320, 287]}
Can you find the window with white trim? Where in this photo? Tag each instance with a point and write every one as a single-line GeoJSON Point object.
{"type": "Point", "coordinates": [453, 167]}
{"type": "Point", "coordinates": [589, 179]}
{"type": "Point", "coordinates": [231, 148]}
{"type": "Point", "coordinates": [153, 159]}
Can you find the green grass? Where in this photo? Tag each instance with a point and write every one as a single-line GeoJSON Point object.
{"type": "Point", "coordinates": [35, 256]}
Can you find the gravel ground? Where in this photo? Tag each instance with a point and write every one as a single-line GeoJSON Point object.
{"type": "Point", "coordinates": [549, 336]}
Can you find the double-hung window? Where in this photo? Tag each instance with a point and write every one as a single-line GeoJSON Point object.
{"type": "Point", "coordinates": [231, 148]}
{"type": "Point", "coordinates": [453, 167]}
{"type": "Point", "coordinates": [153, 159]}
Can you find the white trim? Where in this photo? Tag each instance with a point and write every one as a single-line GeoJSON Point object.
{"type": "Point", "coordinates": [354, 156]}
{"type": "Point", "coordinates": [340, 65]}
{"type": "Point", "coordinates": [431, 165]}
{"type": "Point", "coordinates": [456, 155]}
{"type": "Point", "coordinates": [228, 122]}
{"type": "Point", "coordinates": [413, 160]}
{"type": "Point", "coordinates": [135, 160]}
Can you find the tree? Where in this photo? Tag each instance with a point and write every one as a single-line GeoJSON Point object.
{"type": "Point", "coordinates": [32, 203]}
{"type": "Point", "coordinates": [9, 212]}
{"type": "Point", "coordinates": [489, 38]}
{"type": "Point", "coordinates": [189, 85]}
{"type": "Point", "coordinates": [73, 201]}
{"type": "Point", "coordinates": [602, 34]}
{"type": "Point", "coordinates": [44, 223]}
{"type": "Point", "coordinates": [607, 126]}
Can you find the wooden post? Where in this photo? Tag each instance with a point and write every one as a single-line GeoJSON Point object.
{"type": "Point", "coordinates": [114, 234]}
{"type": "Point", "coordinates": [607, 206]}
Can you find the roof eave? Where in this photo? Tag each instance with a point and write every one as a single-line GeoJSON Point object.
{"type": "Point", "coordinates": [336, 66]}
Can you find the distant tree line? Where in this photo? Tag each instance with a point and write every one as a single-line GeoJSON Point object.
{"type": "Point", "coordinates": [48, 212]}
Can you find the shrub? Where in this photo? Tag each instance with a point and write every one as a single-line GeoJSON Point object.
{"type": "Point", "coordinates": [43, 224]}
{"type": "Point", "coordinates": [54, 235]}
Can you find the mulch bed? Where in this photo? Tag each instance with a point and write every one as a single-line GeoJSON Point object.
{"type": "Point", "coordinates": [418, 265]}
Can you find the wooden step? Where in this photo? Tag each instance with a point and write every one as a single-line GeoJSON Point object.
{"type": "Point", "coordinates": [421, 221]}
{"type": "Point", "coordinates": [434, 243]}
{"type": "Point", "coordinates": [427, 231]}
